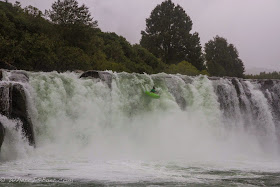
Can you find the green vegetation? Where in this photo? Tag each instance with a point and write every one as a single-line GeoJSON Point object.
{"type": "Point", "coordinates": [223, 59]}
{"type": "Point", "coordinates": [264, 75]}
{"type": "Point", "coordinates": [68, 12]}
{"type": "Point", "coordinates": [184, 68]}
{"type": "Point", "coordinates": [66, 37]}
{"type": "Point", "coordinates": [168, 36]}
{"type": "Point", "coordinates": [70, 41]}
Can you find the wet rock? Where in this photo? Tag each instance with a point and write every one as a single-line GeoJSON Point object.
{"type": "Point", "coordinates": [223, 97]}
{"type": "Point", "coordinates": [271, 90]}
{"type": "Point", "coordinates": [2, 134]}
{"type": "Point", "coordinates": [93, 74]}
{"type": "Point", "coordinates": [235, 83]}
{"type": "Point", "coordinates": [102, 75]}
{"type": "Point", "coordinates": [1, 74]}
{"type": "Point", "coordinates": [187, 80]}
{"type": "Point", "coordinates": [175, 89]}
{"type": "Point", "coordinates": [181, 102]}
{"type": "Point", "coordinates": [5, 100]}
{"type": "Point", "coordinates": [19, 111]}
{"type": "Point", "coordinates": [13, 105]}
{"type": "Point", "coordinates": [19, 76]}
{"type": "Point", "coordinates": [266, 84]}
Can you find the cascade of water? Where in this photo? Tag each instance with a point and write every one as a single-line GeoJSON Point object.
{"type": "Point", "coordinates": [15, 145]}
{"type": "Point", "coordinates": [105, 128]}
{"type": "Point", "coordinates": [112, 117]}
{"type": "Point", "coordinates": [244, 105]}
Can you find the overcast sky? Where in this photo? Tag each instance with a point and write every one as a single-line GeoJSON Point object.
{"type": "Point", "coordinates": [253, 26]}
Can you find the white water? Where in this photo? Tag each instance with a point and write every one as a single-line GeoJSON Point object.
{"type": "Point", "coordinates": [87, 131]}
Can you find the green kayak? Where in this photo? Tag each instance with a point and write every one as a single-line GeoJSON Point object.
{"type": "Point", "coordinates": [153, 95]}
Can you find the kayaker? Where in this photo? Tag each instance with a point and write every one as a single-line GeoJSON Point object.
{"type": "Point", "coordinates": [153, 90]}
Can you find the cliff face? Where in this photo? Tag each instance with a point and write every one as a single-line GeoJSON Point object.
{"type": "Point", "coordinates": [2, 134]}
{"type": "Point", "coordinates": [13, 103]}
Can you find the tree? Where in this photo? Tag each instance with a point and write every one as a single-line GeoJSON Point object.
{"type": "Point", "coordinates": [72, 58]}
{"type": "Point", "coordinates": [223, 58]}
{"type": "Point", "coordinates": [216, 69]}
{"type": "Point", "coordinates": [184, 68]}
{"type": "Point", "coordinates": [31, 42]}
{"type": "Point", "coordinates": [33, 11]}
{"type": "Point", "coordinates": [74, 22]}
{"type": "Point", "coordinates": [17, 6]}
{"type": "Point", "coordinates": [167, 35]}
{"type": "Point", "coordinates": [264, 75]}
{"type": "Point", "coordinates": [68, 12]}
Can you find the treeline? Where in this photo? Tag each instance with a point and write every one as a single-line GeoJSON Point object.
{"type": "Point", "coordinates": [264, 75]}
{"type": "Point", "coordinates": [66, 37]}
{"type": "Point", "coordinates": [31, 42]}
{"type": "Point", "coordinates": [168, 35]}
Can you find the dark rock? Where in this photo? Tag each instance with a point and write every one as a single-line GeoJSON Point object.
{"type": "Point", "coordinates": [19, 111]}
{"type": "Point", "coordinates": [214, 78]}
{"type": "Point", "coordinates": [235, 83]}
{"type": "Point", "coordinates": [266, 84]}
{"type": "Point", "coordinates": [181, 102]}
{"type": "Point", "coordinates": [175, 89]}
{"type": "Point", "coordinates": [5, 100]}
{"type": "Point", "coordinates": [5, 65]}
{"type": "Point", "coordinates": [19, 76]}
{"type": "Point", "coordinates": [2, 134]}
{"type": "Point", "coordinates": [20, 72]}
{"type": "Point", "coordinates": [271, 90]}
{"type": "Point", "coordinates": [222, 97]}
{"type": "Point", "coordinates": [1, 74]}
{"type": "Point", "coordinates": [13, 102]}
{"type": "Point", "coordinates": [93, 74]}
{"type": "Point", "coordinates": [102, 75]}
{"type": "Point", "coordinates": [107, 77]}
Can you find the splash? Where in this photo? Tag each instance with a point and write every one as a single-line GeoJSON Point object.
{"type": "Point", "coordinates": [117, 120]}
{"type": "Point", "coordinates": [201, 122]}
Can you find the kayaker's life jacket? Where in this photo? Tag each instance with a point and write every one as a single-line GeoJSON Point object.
{"type": "Point", "coordinates": [153, 90]}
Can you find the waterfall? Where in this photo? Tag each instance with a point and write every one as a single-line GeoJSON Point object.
{"type": "Point", "coordinates": [197, 119]}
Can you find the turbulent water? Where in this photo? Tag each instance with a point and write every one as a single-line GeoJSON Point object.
{"type": "Point", "coordinates": [217, 132]}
